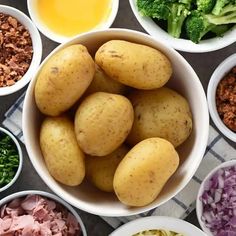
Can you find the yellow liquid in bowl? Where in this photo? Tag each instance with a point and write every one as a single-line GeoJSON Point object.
{"type": "Point", "coordinates": [71, 17]}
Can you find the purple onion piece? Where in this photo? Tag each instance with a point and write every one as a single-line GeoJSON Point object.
{"type": "Point", "coordinates": [219, 202]}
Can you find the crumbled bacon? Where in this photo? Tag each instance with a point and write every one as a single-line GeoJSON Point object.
{"type": "Point", "coordinates": [16, 50]}
{"type": "Point", "coordinates": [35, 215]}
{"type": "Point", "coordinates": [226, 99]}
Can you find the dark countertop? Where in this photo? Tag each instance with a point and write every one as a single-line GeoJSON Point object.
{"type": "Point", "coordinates": [203, 63]}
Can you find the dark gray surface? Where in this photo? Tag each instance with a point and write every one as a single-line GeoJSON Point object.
{"type": "Point", "coordinates": [204, 64]}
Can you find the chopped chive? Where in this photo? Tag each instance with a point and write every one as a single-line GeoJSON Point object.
{"type": "Point", "coordinates": [9, 159]}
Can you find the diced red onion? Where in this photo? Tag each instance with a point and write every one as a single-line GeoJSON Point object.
{"type": "Point", "coordinates": [219, 202]}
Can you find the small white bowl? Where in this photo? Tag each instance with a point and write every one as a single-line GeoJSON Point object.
{"type": "Point", "coordinates": [48, 32]}
{"type": "Point", "coordinates": [183, 44]}
{"type": "Point", "coordinates": [20, 159]}
{"type": "Point", "coordinates": [158, 222]}
{"type": "Point", "coordinates": [217, 75]}
{"type": "Point", "coordinates": [37, 49]}
{"type": "Point", "coordinates": [199, 205]}
{"type": "Point", "coordinates": [184, 80]}
{"type": "Point", "coordinates": [49, 196]}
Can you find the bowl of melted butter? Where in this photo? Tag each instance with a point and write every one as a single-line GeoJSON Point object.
{"type": "Point", "coordinates": [64, 19]}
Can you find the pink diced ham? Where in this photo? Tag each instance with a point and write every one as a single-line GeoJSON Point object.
{"type": "Point", "coordinates": [30, 202]}
{"type": "Point", "coordinates": [20, 222]}
{"type": "Point", "coordinates": [38, 216]}
{"type": "Point", "coordinates": [5, 224]}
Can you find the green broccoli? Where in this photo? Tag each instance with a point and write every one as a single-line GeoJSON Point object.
{"type": "Point", "coordinates": [174, 11]}
{"type": "Point", "coordinates": [198, 17]}
{"type": "Point", "coordinates": [197, 25]}
{"type": "Point", "coordinates": [226, 16]}
{"type": "Point", "coordinates": [205, 6]}
{"type": "Point", "coordinates": [220, 4]}
{"type": "Point", "coordinates": [219, 30]}
{"type": "Point", "coordinates": [154, 8]}
{"type": "Point", "coordinates": [176, 18]}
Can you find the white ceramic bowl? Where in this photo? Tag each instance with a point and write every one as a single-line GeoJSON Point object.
{"type": "Point", "coordinates": [20, 159]}
{"type": "Point", "coordinates": [183, 44]}
{"type": "Point", "coordinates": [158, 222]}
{"type": "Point", "coordinates": [13, 196]}
{"type": "Point", "coordinates": [199, 205]}
{"type": "Point", "coordinates": [37, 48]}
{"type": "Point", "coordinates": [191, 152]}
{"type": "Point", "coordinates": [217, 75]}
{"type": "Point", "coordinates": [48, 32]}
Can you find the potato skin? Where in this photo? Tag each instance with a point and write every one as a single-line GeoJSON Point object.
{"type": "Point", "coordinates": [63, 79]}
{"type": "Point", "coordinates": [160, 113]}
{"type": "Point", "coordinates": [144, 171]}
{"type": "Point", "coordinates": [61, 152]}
{"type": "Point", "coordinates": [100, 170]}
{"type": "Point", "coordinates": [102, 123]}
{"type": "Point", "coordinates": [135, 65]}
{"type": "Point", "coordinates": [102, 83]}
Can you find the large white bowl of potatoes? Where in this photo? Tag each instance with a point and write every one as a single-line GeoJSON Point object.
{"type": "Point", "coordinates": [115, 122]}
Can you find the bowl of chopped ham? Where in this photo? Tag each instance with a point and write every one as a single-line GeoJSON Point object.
{"type": "Point", "coordinates": [38, 213]}
{"type": "Point", "coordinates": [21, 50]}
{"type": "Point", "coordinates": [216, 201]}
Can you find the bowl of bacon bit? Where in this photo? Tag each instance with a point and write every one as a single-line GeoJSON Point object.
{"type": "Point", "coordinates": [38, 213]}
{"type": "Point", "coordinates": [20, 47]}
{"type": "Point", "coordinates": [216, 201]}
{"type": "Point", "coordinates": [221, 96]}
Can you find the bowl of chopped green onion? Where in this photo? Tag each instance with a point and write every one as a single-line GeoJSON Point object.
{"type": "Point", "coordinates": [195, 26]}
{"type": "Point", "coordinates": [10, 159]}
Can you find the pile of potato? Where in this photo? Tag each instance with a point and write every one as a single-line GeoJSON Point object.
{"type": "Point", "coordinates": [110, 120]}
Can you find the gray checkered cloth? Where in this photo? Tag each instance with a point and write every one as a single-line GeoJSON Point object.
{"type": "Point", "coordinates": [218, 151]}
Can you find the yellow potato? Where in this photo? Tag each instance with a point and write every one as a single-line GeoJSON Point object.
{"type": "Point", "coordinates": [102, 83]}
{"type": "Point", "coordinates": [100, 170]}
{"type": "Point", "coordinates": [102, 123]}
{"type": "Point", "coordinates": [61, 152]}
{"type": "Point", "coordinates": [144, 171]}
{"type": "Point", "coordinates": [135, 65]}
{"type": "Point", "coordinates": [160, 113]}
{"type": "Point", "coordinates": [63, 79]}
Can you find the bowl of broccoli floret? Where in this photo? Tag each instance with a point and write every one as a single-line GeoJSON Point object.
{"type": "Point", "coordinates": [189, 25]}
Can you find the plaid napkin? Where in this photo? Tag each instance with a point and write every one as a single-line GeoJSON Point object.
{"type": "Point", "coordinates": [218, 151]}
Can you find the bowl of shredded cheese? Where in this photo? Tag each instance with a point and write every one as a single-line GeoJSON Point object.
{"type": "Point", "coordinates": [62, 20]}
{"type": "Point", "coordinates": [158, 226]}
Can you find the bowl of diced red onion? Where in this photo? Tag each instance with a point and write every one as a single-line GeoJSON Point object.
{"type": "Point", "coordinates": [216, 201]}
{"type": "Point", "coordinates": [38, 213]}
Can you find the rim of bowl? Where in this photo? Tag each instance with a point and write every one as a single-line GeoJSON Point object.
{"type": "Point", "coordinates": [158, 222]}
{"type": "Point", "coordinates": [200, 148]}
{"type": "Point", "coordinates": [62, 39]}
{"type": "Point", "coordinates": [184, 45]}
{"type": "Point", "coordinates": [37, 48]}
{"type": "Point", "coordinates": [201, 189]}
{"type": "Point", "coordinates": [47, 195]}
{"type": "Point", "coordinates": [20, 159]}
{"type": "Point", "coordinates": [222, 69]}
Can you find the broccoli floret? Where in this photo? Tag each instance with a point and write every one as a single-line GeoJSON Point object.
{"type": "Point", "coordinates": [205, 6]}
{"type": "Point", "coordinates": [184, 1]}
{"type": "Point", "coordinates": [219, 30]}
{"type": "Point", "coordinates": [174, 11]}
{"type": "Point", "coordinates": [154, 8]}
{"type": "Point", "coordinates": [197, 25]}
{"type": "Point", "coordinates": [227, 15]}
{"type": "Point", "coordinates": [177, 16]}
{"type": "Point", "coordinates": [220, 4]}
